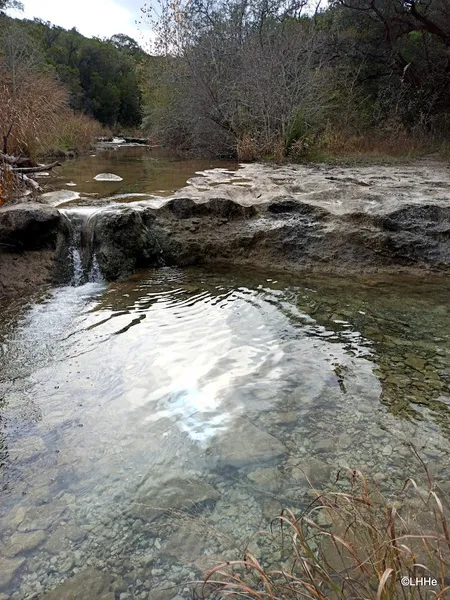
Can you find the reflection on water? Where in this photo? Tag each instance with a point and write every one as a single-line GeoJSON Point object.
{"type": "Point", "coordinates": [153, 423]}
{"type": "Point", "coordinates": [146, 172]}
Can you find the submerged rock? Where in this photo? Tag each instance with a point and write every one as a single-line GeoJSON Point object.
{"type": "Point", "coordinates": [244, 444]}
{"type": "Point", "coordinates": [23, 542]}
{"type": "Point", "coordinates": [87, 584]}
{"type": "Point", "coordinates": [156, 498]}
{"type": "Point", "coordinates": [8, 569]}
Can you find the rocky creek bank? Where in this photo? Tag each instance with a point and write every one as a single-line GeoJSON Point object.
{"type": "Point", "coordinates": [291, 217]}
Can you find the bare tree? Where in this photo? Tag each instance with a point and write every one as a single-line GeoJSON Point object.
{"type": "Point", "coordinates": [247, 70]}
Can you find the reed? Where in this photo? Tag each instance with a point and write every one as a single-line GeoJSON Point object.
{"type": "Point", "coordinates": [355, 545]}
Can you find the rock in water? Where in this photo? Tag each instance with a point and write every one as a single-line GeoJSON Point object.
{"type": "Point", "coordinates": [87, 584]}
{"type": "Point", "coordinates": [107, 177]}
{"type": "Point", "coordinates": [8, 568]}
{"type": "Point", "coordinates": [23, 542]}
{"type": "Point", "coordinates": [244, 444]}
{"type": "Point", "coordinates": [177, 494]}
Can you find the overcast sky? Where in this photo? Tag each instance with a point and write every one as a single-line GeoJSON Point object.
{"type": "Point", "coordinates": [102, 18]}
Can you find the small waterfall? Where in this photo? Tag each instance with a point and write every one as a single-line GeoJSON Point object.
{"type": "Point", "coordinates": [82, 258]}
{"type": "Point", "coordinates": [77, 266]}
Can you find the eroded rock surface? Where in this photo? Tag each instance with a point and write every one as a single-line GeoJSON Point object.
{"type": "Point", "coordinates": [366, 219]}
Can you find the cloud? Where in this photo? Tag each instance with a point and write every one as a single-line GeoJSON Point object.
{"type": "Point", "coordinates": [101, 18]}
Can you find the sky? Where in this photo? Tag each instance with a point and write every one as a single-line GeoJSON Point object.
{"type": "Point", "coordinates": [101, 18]}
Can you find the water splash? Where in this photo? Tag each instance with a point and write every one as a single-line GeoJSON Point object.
{"type": "Point", "coordinates": [77, 266]}
{"type": "Point", "coordinates": [83, 260]}
{"type": "Point", "coordinates": [95, 274]}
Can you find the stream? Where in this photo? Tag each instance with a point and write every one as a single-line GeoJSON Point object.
{"type": "Point", "coordinates": [150, 427]}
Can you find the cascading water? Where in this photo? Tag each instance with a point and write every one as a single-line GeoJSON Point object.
{"type": "Point", "coordinates": [84, 264]}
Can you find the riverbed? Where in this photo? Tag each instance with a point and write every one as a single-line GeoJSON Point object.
{"type": "Point", "coordinates": [151, 426]}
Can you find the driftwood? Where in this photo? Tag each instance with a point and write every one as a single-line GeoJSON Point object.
{"type": "Point", "coordinates": [30, 183]}
{"type": "Point", "coordinates": [37, 169]}
{"type": "Point", "coordinates": [14, 175]}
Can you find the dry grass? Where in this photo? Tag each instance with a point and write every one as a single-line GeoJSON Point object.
{"type": "Point", "coordinates": [9, 184]}
{"type": "Point", "coordinates": [391, 144]}
{"type": "Point", "coordinates": [36, 119]}
{"type": "Point", "coordinates": [395, 143]}
{"type": "Point", "coordinates": [73, 131]}
{"type": "Point", "coordinates": [250, 149]}
{"type": "Point", "coordinates": [349, 546]}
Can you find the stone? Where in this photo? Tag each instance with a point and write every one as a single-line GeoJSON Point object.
{"type": "Point", "coordinates": [309, 472]}
{"type": "Point", "coordinates": [187, 543]}
{"type": "Point", "coordinates": [345, 441]}
{"type": "Point", "coordinates": [8, 569]}
{"type": "Point", "coordinates": [243, 444]}
{"type": "Point", "coordinates": [176, 494]}
{"type": "Point", "coordinates": [42, 517]}
{"type": "Point", "coordinates": [86, 585]}
{"type": "Point", "coordinates": [269, 479]}
{"type": "Point", "coordinates": [59, 539]}
{"type": "Point", "coordinates": [168, 592]}
{"type": "Point", "coordinates": [415, 362]}
{"type": "Point", "coordinates": [107, 177]}
{"type": "Point", "coordinates": [324, 445]}
{"type": "Point", "coordinates": [23, 542]}
{"type": "Point", "coordinates": [29, 226]}
{"type": "Point", "coordinates": [271, 509]}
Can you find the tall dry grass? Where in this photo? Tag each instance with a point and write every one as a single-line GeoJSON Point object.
{"type": "Point", "coordinates": [35, 118]}
{"type": "Point", "coordinates": [353, 545]}
{"type": "Point", "coordinates": [249, 148]}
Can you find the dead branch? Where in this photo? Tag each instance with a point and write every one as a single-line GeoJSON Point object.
{"type": "Point", "coordinates": [37, 169]}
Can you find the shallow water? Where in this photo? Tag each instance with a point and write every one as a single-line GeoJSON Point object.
{"type": "Point", "coordinates": [121, 403]}
{"type": "Point", "coordinates": [145, 172]}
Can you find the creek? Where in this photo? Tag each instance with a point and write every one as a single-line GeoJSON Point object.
{"type": "Point", "coordinates": [149, 427]}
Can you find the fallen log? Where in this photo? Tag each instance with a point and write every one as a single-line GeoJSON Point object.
{"type": "Point", "coordinates": [37, 168]}
{"type": "Point", "coordinates": [23, 161]}
{"type": "Point", "coordinates": [30, 183]}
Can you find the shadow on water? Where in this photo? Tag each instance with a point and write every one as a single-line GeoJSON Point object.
{"type": "Point", "coordinates": [153, 422]}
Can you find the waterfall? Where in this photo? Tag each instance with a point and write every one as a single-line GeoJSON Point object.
{"type": "Point", "coordinates": [77, 266]}
{"type": "Point", "coordinates": [83, 261]}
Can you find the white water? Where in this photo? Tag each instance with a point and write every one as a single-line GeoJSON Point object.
{"type": "Point", "coordinates": [84, 263]}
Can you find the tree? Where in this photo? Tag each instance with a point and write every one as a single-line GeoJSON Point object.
{"type": "Point", "coordinates": [6, 4]}
{"type": "Point", "coordinates": [407, 44]}
{"type": "Point", "coordinates": [126, 43]}
{"type": "Point", "coordinates": [29, 97]}
{"type": "Point", "coordinates": [241, 74]}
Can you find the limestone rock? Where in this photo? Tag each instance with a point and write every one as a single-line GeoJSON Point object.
{"type": "Point", "coordinates": [85, 585]}
{"type": "Point", "coordinates": [23, 542]}
{"type": "Point", "coordinates": [168, 592]}
{"type": "Point", "coordinates": [59, 539]}
{"type": "Point", "coordinates": [176, 494]}
{"type": "Point", "coordinates": [28, 227]}
{"type": "Point", "coordinates": [108, 177]}
{"type": "Point", "coordinates": [42, 517]}
{"type": "Point", "coordinates": [244, 443]}
{"type": "Point", "coordinates": [187, 543]}
{"type": "Point", "coordinates": [8, 569]}
{"type": "Point", "coordinates": [266, 479]}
